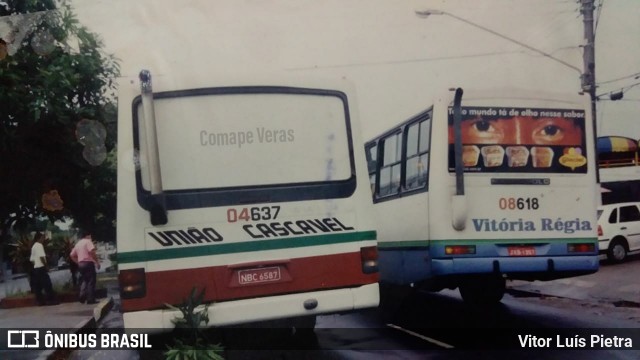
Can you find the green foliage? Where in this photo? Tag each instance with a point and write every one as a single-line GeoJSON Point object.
{"type": "Point", "coordinates": [61, 288]}
{"type": "Point", "coordinates": [44, 94]}
{"type": "Point", "coordinates": [194, 344]}
{"type": "Point", "coordinates": [15, 292]}
{"type": "Point", "coordinates": [63, 247]}
{"type": "Point", "coordinates": [58, 288]}
{"type": "Point", "coordinates": [191, 319]}
{"type": "Point", "coordinates": [58, 239]}
{"type": "Point", "coordinates": [199, 351]}
{"type": "Point", "coordinates": [21, 253]}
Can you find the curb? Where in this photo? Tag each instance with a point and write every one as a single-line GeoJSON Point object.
{"type": "Point", "coordinates": [30, 300]}
{"type": "Point", "coordinates": [520, 293]}
{"type": "Point", "coordinates": [102, 309]}
{"type": "Point", "coordinates": [85, 326]}
{"type": "Point", "coordinates": [526, 293]}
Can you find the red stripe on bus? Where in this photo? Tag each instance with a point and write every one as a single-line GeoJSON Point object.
{"type": "Point", "coordinates": [221, 283]}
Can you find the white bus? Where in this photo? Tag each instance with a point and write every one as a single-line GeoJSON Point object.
{"type": "Point", "coordinates": [485, 187]}
{"type": "Point", "coordinates": [256, 193]}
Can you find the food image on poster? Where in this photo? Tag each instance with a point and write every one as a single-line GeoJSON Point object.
{"type": "Point", "coordinates": [542, 156]}
{"type": "Point", "coordinates": [492, 155]}
{"type": "Point", "coordinates": [514, 139]}
{"type": "Point", "coordinates": [517, 156]}
{"type": "Point", "coordinates": [470, 155]}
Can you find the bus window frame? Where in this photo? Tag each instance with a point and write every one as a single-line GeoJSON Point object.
{"type": "Point", "coordinates": [399, 134]}
{"type": "Point", "coordinates": [401, 129]}
{"type": "Point", "coordinates": [426, 119]}
{"type": "Point", "coordinates": [241, 195]}
{"type": "Point", "coordinates": [372, 165]}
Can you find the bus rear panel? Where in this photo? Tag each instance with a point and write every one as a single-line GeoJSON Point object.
{"type": "Point", "coordinates": [506, 191]}
{"type": "Point", "coordinates": [251, 193]}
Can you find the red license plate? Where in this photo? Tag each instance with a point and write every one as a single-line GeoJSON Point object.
{"type": "Point", "coordinates": [259, 275]}
{"type": "Point", "coordinates": [522, 251]}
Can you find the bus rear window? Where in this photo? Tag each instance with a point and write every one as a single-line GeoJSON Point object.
{"type": "Point", "coordinates": [222, 140]}
{"type": "Point", "coordinates": [497, 139]}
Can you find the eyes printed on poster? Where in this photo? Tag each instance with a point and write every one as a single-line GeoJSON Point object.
{"type": "Point", "coordinates": [521, 139]}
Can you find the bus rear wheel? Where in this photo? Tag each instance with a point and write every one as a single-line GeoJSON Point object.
{"type": "Point", "coordinates": [303, 325]}
{"type": "Point", "coordinates": [483, 290]}
{"type": "Point", "coordinates": [393, 300]}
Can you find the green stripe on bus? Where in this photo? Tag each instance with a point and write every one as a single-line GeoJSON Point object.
{"type": "Point", "coordinates": [415, 243]}
{"type": "Point", "coordinates": [249, 246]}
{"type": "Point", "coordinates": [425, 243]}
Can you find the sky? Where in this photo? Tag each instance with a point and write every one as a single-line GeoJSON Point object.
{"type": "Point", "coordinates": [396, 60]}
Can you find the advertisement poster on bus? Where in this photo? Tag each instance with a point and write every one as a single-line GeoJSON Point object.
{"type": "Point", "coordinates": [506, 139]}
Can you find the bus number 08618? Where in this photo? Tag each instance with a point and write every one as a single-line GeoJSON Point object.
{"type": "Point", "coordinates": [518, 203]}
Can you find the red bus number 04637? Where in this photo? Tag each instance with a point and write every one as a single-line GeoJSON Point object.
{"type": "Point", "coordinates": [253, 214]}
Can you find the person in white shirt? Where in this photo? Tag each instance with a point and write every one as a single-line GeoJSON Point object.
{"type": "Point", "coordinates": [40, 275]}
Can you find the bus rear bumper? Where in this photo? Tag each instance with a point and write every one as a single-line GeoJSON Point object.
{"type": "Point", "coordinates": [535, 267]}
{"type": "Point", "coordinates": [261, 309]}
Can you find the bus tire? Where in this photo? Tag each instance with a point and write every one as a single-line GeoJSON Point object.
{"type": "Point", "coordinates": [303, 331]}
{"type": "Point", "coordinates": [305, 322]}
{"type": "Point", "coordinates": [483, 290]}
{"type": "Point", "coordinates": [304, 325]}
{"type": "Point", "coordinates": [392, 300]}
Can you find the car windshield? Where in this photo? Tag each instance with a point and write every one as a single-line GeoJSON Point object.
{"type": "Point", "coordinates": [599, 213]}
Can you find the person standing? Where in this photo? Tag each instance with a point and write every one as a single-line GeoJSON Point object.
{"type": "Point", "coordinates": [40, 275]}
{"type": "Point", "coordinates": [84, 254]}
{"type": "Point", "coordinates": [73, 268]}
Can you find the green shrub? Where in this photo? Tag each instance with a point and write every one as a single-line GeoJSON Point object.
{"type": "Point", "coordinates": [193, 345]}
{"type": "Point", "coordinates": [199, 351]}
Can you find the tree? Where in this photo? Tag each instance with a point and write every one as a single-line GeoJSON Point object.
{"type": "Point", "coordinates": [57, 119]}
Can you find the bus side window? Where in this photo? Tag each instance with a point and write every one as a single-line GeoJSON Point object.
{"type": "Point", "coordinates": [390, 169]}
{"type": "Point", "coordinates": [372, 165]}
{"type": "Point", "coordinates": [417, 155]}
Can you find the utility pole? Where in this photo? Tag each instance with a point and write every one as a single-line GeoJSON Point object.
{"type": "Point", "coordinates": [589, 58]}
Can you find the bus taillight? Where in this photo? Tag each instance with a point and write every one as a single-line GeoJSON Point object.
{"type": "Point", "coordinates": [581, 248]}
{"type": "Point", "coordinates": [132, 283]}
{"type": "Point", "coordinates": [369, 257]}
{"type": "Point", "coordinates": [459, 249]}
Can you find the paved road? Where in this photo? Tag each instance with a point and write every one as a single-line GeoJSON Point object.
{"type": "Point", "coordinates": [604, 299]}
{"type": "Point", "coordinates": [613, 283]}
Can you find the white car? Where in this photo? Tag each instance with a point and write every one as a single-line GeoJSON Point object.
{"type": "Point", "coordinates": [619, 230]}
